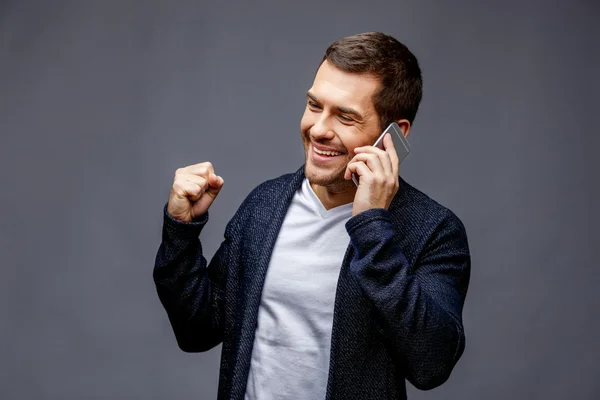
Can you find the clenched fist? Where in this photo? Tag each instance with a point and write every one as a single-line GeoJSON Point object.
{"type": "Point", "coordinates": [194, 189]}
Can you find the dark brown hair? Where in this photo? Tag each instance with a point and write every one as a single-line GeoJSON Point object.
{"type": "Point", "coordinates": [383, 56]}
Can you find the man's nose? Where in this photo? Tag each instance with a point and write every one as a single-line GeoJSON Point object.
{"type": "Point", "coordinates": [322, 128]}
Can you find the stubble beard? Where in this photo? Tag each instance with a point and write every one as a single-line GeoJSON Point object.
{"type": "Point", "coordinates": [333, 181]}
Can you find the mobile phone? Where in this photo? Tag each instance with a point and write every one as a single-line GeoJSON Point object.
{"type": "Point", "coordinates": [400, 144]}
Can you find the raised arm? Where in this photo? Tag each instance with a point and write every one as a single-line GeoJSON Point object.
{"type": "Point", "coordinates": [191, 292]}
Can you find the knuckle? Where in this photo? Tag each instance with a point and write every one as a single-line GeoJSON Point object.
{"type": "Point", "coordinates": [178, 188]}
{"type": "Point", "coordinates": [177, 182]}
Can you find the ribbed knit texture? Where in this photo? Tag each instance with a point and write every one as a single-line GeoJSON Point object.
{"type": "Point", "coordinates": [399, 300]}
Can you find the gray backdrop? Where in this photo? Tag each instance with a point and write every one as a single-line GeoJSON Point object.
{"type": "Point", "coordinates": [101, 101]}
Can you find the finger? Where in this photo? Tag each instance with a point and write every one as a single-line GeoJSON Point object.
{"type": "Point", "coordinates": [211, 185]}
{"type": "Point", "coordinates": [203, 169]}
{"type": "Point", "coordinates": [211, 182]}
{"type": "Point", "coordinates": [373, 161]}
{"type": "Point", "coordinates": [386, 162]}
{"type": "Point", "coordinates": [215, 184]}
{"type": "Point", "coordinates": [197, 179]}
{"type": "Point", "coordinates": [215, 180]}
{"type": "Point", "coordinates": [187, 189]}
{"type": "Point", "coordinates": [359, 168]}
{"type": "Point", "coordinates": [390, 149]}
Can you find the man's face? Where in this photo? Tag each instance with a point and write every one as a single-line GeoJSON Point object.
{"type": "Point", "coordinates": [339, 117]}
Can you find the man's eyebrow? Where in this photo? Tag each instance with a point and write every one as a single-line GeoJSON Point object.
{"type": "Point", "coordinates": [343, 110]}
{"type": "Point", "coordinates": [349, 111]}
{"type": "Point", "coordinates": [312, 97]}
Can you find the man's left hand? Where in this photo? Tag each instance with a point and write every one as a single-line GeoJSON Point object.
{"type": "Point", "coordinates": [378, 176]}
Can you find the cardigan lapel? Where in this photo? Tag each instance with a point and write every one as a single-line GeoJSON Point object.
{"type": "Point", "coordinates": [253, 278]}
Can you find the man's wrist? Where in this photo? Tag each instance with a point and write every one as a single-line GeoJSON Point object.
{"type": "Point", "coordinates": [365, 217]}
{"type": "Point", "coordinates": [191, 228]}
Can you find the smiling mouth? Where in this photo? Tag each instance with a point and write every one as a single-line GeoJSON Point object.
{"type": "Point", "coordinates": [327, 153]}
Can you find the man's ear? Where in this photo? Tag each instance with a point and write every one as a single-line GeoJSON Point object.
{"type": "Point", "coordinates": [404, 126]}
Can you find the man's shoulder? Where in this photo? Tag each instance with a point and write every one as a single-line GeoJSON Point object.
{"type": "Point", "coordinates": [263, 200]}
{"type": "Point", "coordinates": [272, 190]}
{"type": "Point", "coordinates": [273, 187]}
{"type": "Point", "coordinates": [276, 184]}
{"type": "Point", "coordinates": [423, 209]}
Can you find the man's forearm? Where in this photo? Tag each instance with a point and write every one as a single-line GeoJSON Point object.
{"type": "Point", "coordinates": [421, 311]}
{"type": "Point", "coordinates": [184, 287]}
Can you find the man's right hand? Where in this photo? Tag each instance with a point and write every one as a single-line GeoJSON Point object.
{"type": "Point", "coordinates": [194, 189]}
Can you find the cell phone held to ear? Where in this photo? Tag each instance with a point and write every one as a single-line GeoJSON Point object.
{"type": "Point", "coordinates": [400, 144]}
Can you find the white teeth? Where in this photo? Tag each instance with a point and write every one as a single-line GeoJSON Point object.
{"type": "Point", "coordinates": [326, 153]}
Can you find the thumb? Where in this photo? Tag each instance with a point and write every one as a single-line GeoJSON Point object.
{"type": "Point", "coordinates": [215, 183]}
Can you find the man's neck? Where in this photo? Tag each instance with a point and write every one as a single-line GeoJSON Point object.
{"type": "Point", "coordinates": [332, 199]}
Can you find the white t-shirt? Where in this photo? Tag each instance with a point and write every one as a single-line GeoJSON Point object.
{"type": "Point", "coordinates": [290, 357]}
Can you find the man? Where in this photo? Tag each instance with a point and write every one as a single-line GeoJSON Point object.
{"type": "Point", "coordinates": [322, 289]}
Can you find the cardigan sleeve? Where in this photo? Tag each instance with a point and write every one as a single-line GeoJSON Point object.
{"type": "Point", "coordinates": [420, 306]}
{"type": "Point", "coordinates": [191, 292]}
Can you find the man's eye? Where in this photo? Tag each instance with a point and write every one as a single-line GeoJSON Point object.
{"type": "Point", "coordinates": [345, 119]}
{"type": "Point", "coordinates": [312, 104]}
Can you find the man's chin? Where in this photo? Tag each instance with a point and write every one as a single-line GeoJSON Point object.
{"type": "Point", "coordinates": [332, 181]}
